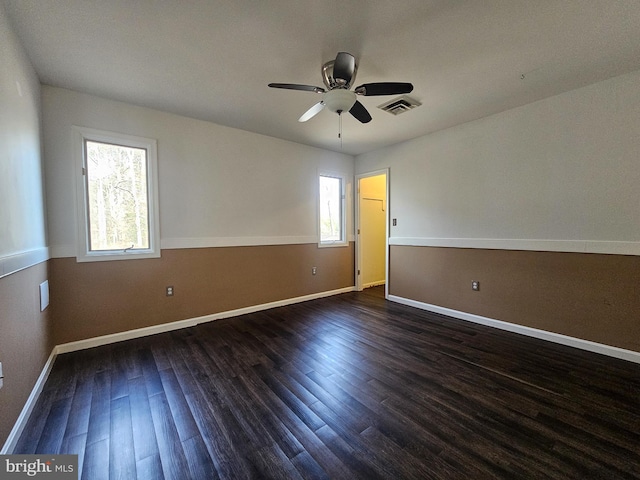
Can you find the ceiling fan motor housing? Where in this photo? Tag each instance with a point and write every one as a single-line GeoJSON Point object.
{"type": "Point", "coordinates": [339, 100]}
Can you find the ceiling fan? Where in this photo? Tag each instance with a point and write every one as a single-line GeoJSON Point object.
{"type": "Point", "coordinates": [338, 75]}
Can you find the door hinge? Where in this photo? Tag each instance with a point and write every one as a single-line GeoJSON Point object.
{"type": "Point", "coordinates": [358, 231]}
{"type": "Point", "coordinates": [84, 171]}
{"type": "Point", "coordinates": [358, 272]}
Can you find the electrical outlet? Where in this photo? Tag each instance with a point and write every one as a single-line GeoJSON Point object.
{"type": "Point", "coordinates": [169, 291]}
{"type": "Point", "coordinates": [475, 285]}
{"type": "Point", "coordinates": [395, 222]}
{"type": "Point", "coordinates": [314, 270]}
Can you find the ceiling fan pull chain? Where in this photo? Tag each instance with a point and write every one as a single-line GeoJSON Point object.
{"type": "Point", "coordinates": [340, 128]}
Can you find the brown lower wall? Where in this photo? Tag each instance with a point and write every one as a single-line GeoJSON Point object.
{"type": "Point", "coordinates": [100, 298]}
{"type": "Point", "coordinates": [588, 296]}
{"type": "Point", "coordinates": [25, 341]}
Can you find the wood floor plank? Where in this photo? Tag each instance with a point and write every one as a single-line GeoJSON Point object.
{"type": "Point", "coordinates": [77, 446]}
{"type": "Point", "coordinates": [273, 426]}
{"type": "Point", "coordinates": [53, 432]}
{"type": "Point", "coordinates": [150, 467]}
{"type": "Point", "coordinates": [198, 459]}
{"type": "Point", "coordinates": [344, 387]}
{"type": "Point", "coordinates": [185, 424]}
{"type": "Point", "coordinates": [100, 414]}
{"type": "Point", "coordinates": [95, 466]}
{"type": "Point", "coordinates": [356, 465]}
{"type": "Point", "coordinates": [144, 435]}
{"type": "Point", "coordinates": [150, 371]}
{"type": "Point", "coordinates": [289, 399]}
{"type": "Point", "coordinates": [120, 373]}
{"type": "Point", "coordinates": [78, 422]}
{"type": "Point", "coordinates": [308, 468]}
{"type": "Point", "coordinates": [226, 459]}
{"type": "Point", "coordinates": [122, 461]}
{"type": "Point", "coordinates": [217, 426]}
{"type": "Point", "coordinates": [172, 457]}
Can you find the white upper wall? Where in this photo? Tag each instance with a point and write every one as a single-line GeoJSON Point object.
{"type": "Point", "coordinates": [22, 218]}
{"type": "Point", "coordinates": [559, 174]}
{"type": "Point", "coordinates": [218, 185]}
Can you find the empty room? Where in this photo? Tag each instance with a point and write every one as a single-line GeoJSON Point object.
{"type": "Point", "coordinates": [319, 240]}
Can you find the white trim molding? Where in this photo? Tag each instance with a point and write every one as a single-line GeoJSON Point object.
{"type": "Point", "coordinates": [64, 251]}
{"type": "Point", "coordinates": [588, 345]}
{"type": "Point", "coordinates": [29, 405]}
{"type": "Point", "coordinates": [207, 242]}
{"type": "Point", "coordinates": [19, 261]}
{"type": "Point", "coordinates": [540, 245]}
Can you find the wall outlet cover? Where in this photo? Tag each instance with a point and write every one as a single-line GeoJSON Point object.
{"type": "Point", "coordinates": [44, 295]}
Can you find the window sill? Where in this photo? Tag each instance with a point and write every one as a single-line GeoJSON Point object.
{"type": "Point", "coordinates": [111, 256]}
{"type": "Point", "coordinates": [333, 244]}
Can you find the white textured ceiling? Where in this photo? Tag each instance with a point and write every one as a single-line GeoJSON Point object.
{"type": "Point", "coordinates": [212, 60]}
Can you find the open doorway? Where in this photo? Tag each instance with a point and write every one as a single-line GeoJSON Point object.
{"type": "Point", "coordinates": [372, 215]}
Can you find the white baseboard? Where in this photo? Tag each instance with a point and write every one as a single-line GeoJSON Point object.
{"type": "Point", "coordinates": [190, 322]}
{"type": "Point", "coordinates": [374, 284]}
{"type": "Point", "coordinates": [18, 427]}
{"type": "Point", "coordinates": [588, 345]}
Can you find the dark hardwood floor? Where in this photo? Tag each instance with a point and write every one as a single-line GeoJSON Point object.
{"type": "Point", "coordinates": [345, 387]}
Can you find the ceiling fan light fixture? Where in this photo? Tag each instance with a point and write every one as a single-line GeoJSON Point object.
{"type": "Point", "coordinates": [339, 100]}
{"type": "Point", "coordinates": [338, 76]}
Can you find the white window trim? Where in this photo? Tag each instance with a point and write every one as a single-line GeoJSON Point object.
{"type": "Point", "coordinates": [83, 254]}
{"type": "Point", "coordinates": [343, 213]}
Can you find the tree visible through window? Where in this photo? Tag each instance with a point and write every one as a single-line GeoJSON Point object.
{"type": "Point", "coordinates": [330, 210]}
{"type": "Point", "coordinates": [117, 197]}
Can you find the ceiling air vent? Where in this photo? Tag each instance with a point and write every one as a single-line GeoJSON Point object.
{"type": "Point", "coordinates": [399, 105]}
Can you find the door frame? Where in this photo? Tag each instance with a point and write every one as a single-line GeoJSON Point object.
{"type": "Point", "coordinates": [358, 252]}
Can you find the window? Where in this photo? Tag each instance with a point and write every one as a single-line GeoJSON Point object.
{"type": "Point", "coordinates": [331, 212]}
{"type": "Point", "coordinates": [117, 196]}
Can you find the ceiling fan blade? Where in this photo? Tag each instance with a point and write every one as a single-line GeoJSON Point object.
{"type": "Point", "coordinates": [344, 68]}
{"type": "Point", "coordinates": [295, 86]}
{"type": "Point", "coordinates": [383, 88]}
{"type": "Point", "coordinates": [312, 112]}
{"type": "Point", "coordinates": [360, 113]}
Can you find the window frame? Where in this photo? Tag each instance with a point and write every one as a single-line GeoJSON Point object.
{"type": "Point", "coordinates": [83, 251]}
{"type": "Point", "coordinates": [344, 241]}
